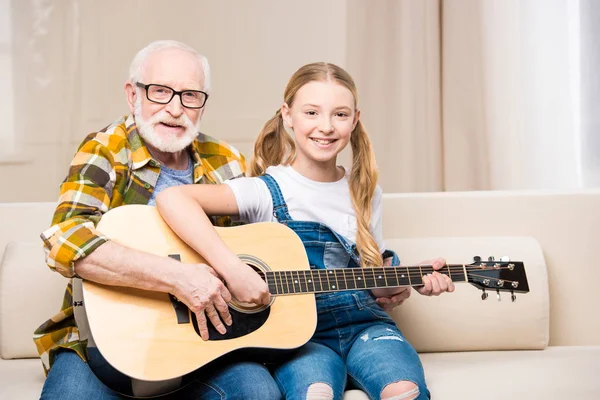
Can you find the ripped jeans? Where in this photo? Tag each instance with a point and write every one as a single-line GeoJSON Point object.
{"type": "Point", "coordinates": [356, 341]}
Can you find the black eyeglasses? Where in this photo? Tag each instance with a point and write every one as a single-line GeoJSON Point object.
{"type": "Point", "coordinates": [163, 95]}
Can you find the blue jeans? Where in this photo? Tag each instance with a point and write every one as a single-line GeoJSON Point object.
{"type": "Point", "coordinates": [356, 345]}
{"type": "Point", "coordinates": [71, 379]}
{"type": "Point", "coordinates": [356, 342]}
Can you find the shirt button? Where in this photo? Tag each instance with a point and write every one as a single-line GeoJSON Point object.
{"type": "Point", "coordinates": [146, 185]}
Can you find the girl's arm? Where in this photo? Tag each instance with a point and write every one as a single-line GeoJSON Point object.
{"type": "Point", "coordinates": [185, 209]}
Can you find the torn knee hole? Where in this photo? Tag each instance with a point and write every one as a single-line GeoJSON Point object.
{"type": "Point", "coordinates": [319, 391]}
{"type": "Point", "coordinates": [403, 390]}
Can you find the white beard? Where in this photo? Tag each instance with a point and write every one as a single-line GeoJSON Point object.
{"type": "Point", "coordinates": [169, 145]}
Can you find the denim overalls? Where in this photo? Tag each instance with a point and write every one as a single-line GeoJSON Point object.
{"type": "Point", "coordinates": [355, 338]}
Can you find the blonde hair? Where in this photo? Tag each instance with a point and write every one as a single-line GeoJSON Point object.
{"type": "Point", "coordinates": [274, 147]}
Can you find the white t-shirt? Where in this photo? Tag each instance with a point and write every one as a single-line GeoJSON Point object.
{"type": "Point", "coordinates": [307, 200]}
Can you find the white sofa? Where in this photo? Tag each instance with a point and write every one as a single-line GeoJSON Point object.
{"type": "Point", "coordinates": [546, 345]}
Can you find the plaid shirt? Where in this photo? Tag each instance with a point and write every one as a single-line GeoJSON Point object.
{"type": "Point", "coordinates": [111, 168]}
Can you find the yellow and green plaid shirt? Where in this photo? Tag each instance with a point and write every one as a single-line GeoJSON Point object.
{"type": "Point", "coordinates": [112, 167]}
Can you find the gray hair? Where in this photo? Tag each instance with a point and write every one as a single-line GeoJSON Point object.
{"type": "Point", "coordinates": [137, 64]}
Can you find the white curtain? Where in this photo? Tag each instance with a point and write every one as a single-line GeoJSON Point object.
{"type": "Point", "coordinates": [480, 94]}
{"type": "Point", "coordinates": [518, 112]}
{"type": "Point", "coordinates": [589, 16]}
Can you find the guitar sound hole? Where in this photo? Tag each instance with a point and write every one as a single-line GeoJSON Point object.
{"type": "Point", "coordinates": [246, 317]}
{"type": "Point", "coordinates": [242, 325]}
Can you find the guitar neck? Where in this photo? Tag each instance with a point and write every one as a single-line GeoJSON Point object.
{"type": "Point", "coordinates": [332, 280]}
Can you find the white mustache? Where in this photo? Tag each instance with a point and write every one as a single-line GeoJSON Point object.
{"type": "Point", "coordinates": [164, 118]}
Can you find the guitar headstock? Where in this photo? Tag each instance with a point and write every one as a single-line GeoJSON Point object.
{"type": "Point", "coordinates": [501, 275]}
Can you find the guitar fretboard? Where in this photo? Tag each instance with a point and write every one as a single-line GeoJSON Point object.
{"type": "Point", "coordinates": [331, 280]}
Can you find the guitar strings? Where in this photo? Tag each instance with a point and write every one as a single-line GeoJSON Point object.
{"type": "Point", "coordinates": [286, 280]}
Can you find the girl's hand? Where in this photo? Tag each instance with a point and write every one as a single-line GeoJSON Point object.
{"type": "Point", "coordinates": [245, 284]}
{"type": "Point", "coordinates": [434, 284]}
{"type": "Point", "coordinates": [389, 299]}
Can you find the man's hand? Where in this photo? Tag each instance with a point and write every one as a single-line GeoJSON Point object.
{"type": "Point", "coordinates": [199, 287]}
{"type": "Point", "coordinates": [434, 284]}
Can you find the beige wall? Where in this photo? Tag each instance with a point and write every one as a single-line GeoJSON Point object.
{"type": "Point", "coordinates": [71, 60]}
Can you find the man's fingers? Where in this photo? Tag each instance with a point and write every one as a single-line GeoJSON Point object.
{"type": "Point", "coordinates": [223, 310]}
{"type": "Point", "coordinates": [202, 327]}
{"type": "Point", "coordinates": [213, 316]}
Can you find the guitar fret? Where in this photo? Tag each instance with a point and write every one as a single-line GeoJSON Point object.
{"type": "Point", "coordinates": [380, 279]}
{"type": "Point", "coordinates": [272, 285]}
{"type": "Point", "coordinates": [391, 272]}
{"type": "Point", "coordinates": [274, 275]}
{"type": "Point", "coordinates": [331, 274]}
{"type": "Point", "coordinates": [345, 280]}
{"type": "Point", "coordinates": [396, 275]}
{"type": "Point", "coordinates": [364, 278]}
{"type": "Point", "coordinates": [278, 282]}
{"type": "Point", "coordinates": [318, 271]}
{"type": "Point", "coordinates": [353, 280]}
{"type": "Point", "coordinates": [297, 286]}
{"type": "Point", "coordinates": [307, 282]}
{"type": "Point", "coordinates": [287, 282]}
{"type": "Point", "coordinates": [420, 276]}
{"type": "Point", "coordinates": [293, 283]}
{"type": "Point", "coordinates": [339, 274]}
{"type": "Point", "coordinates": [404, 278]}
{"type": "Point", "coordinates": [372, 282]}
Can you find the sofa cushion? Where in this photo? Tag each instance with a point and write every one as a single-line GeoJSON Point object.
{"type": "Point", "coordinates": [470, 375]}
{"type": "Point", "coordinates": [21, 379]}
{"type": "Point", "coordinates": [30, 293]}
{"type": "Point", "coordinates": [554, 373]}
{"type": "Point", "coordinates": [461, 321]}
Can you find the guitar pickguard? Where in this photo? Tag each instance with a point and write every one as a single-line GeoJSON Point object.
{"type": "Point", "coordinates": [243, 324]}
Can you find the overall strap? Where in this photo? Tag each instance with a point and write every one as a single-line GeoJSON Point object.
{"type": "Point", "coordinates": [280, 210]}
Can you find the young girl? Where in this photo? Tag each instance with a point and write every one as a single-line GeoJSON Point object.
{"type": "Point", "coordinates": [338, 215]}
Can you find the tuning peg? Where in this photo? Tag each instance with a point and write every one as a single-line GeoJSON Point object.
{"type": "Point", "coordinates": [484, 295]}
{"type": "Point", "coordinates": [513, 296]}
{"type": "Point", "coordinates": [491, 258]}
{"type": "Point", "coordinates": [477, 259]}
{"type": "Point", "coordinates": [505, 258]}
{"type": "Point", "coordinates": [498, 295]}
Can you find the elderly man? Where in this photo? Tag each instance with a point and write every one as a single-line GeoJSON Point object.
{"type": "Point", "coordinates": [130, 162]}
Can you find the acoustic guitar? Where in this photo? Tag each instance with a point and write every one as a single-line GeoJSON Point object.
{"type": "Point", "coordinates": [144, 343]}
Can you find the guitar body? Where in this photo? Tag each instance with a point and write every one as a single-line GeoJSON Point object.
{"type": "Point", "coordinates": [149, 340]}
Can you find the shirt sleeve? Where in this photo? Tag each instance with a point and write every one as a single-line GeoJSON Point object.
{"type": "Point", "coordinates": [84, 196]}
{"type": "Point", "coordinates": [253, 199]}
{"type": "Point", "coordinates": [377, 219]}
